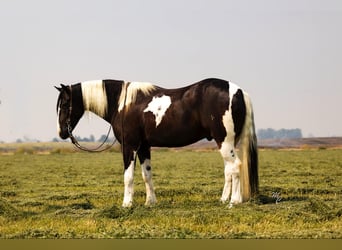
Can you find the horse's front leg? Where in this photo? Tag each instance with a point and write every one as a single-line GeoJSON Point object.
{"type": "Point", "coordinates": [129, 165]}
{"type": "Point", "coordinates": [144, 154]}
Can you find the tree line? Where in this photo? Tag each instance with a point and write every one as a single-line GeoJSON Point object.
{"type": "Point", "coordinates": [271, 133]}
{"type": "Point", "coordinates": [268, 133]}
{"type": "Point", "coordinates": [91, 138]}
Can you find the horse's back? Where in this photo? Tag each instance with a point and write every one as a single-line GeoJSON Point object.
{"type": "Point", "coordinates": [193, 113]}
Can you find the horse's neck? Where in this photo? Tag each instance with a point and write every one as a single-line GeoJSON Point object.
{"type": "Point", "coordinates": [113, 94]}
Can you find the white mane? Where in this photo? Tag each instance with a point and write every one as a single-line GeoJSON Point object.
{"type": "Point", "coordinates": [95, 97]}
{"type": "Point", "coordinates": [130, 93]}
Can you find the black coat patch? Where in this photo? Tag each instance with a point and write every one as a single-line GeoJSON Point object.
{"type": "Point", "coordinates": [238, 113]}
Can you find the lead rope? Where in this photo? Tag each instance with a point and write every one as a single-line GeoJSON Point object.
{"type": "Point", "coordinates": [77, 144]}
{"type": "Point", "coordinates": [97, 149]}
{"type": "Point", "coordinates": [91, 150]}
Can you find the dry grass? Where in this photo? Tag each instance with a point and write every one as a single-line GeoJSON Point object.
{"type": "Point", "coordinates": [78, 195]}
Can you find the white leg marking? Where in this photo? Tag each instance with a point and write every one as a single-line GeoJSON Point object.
{"type": "Point", "coordinates": [158, 107]}
{"type": "Point", "coordinates": [232, 174]}
{"type": "Point", "coordinates": [236, 187]}
{"type": "Point", "coordinates": [227, 184]}
{"type": "Point", "coordinates": [128, 180]}
{"type": "Point", "coordinates": [147, 177]}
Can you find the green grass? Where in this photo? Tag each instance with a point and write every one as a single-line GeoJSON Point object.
{"type": "Point", "coordinates": [79, 195]}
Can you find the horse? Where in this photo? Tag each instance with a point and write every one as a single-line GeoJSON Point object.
{"type": "Point", "coordinates": [144, 115]}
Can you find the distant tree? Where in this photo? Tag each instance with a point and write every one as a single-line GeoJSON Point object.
{"type": "Point", "coordinates": [270, 133]}
{"type": "Point", "coordinates": [102, 138]}
{"type": "Point", "coordinates": [78, 138]}
{"type": "Point", "coordinates": [85, 139]}
{"type": "Point", "coordinates": [92, 138]}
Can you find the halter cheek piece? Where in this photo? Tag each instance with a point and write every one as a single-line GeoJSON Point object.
{"type": "Point", "coordinates": [74, 140]}
{"type": "Point", "coordinates": [68, 121]}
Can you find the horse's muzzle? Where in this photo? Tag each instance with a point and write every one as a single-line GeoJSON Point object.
{"type": "Point", "coordinates": [63, 134]}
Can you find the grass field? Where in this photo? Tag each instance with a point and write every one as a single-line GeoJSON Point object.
{"type": "Point", "coordinates": [63, 194]}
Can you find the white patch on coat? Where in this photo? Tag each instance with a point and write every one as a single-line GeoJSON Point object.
{"type": "Point", "coordinates": [227, 118]}
{"type": "Point", "coordinates": [129, 92]}
{"type": "Point", "coordinates": [158, 107]}
{"type": "Point", "coordinates": [231, 160]}
{"type": "Point", "coordinates": [95, 97]}
{"type": "Point", "coordinates": [233, 88]}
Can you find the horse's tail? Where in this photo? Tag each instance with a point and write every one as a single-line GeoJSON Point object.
{"type": "Point", "coordinates": [249, 155]}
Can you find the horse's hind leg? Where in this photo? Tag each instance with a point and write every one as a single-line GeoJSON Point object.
{"type": "Point", "coordinates": [232, 173]}
{"type": "Point", "coordinates": [146, 169]}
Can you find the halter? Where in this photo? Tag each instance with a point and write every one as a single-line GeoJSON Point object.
{"type": "Point", "coordinates": [74, 140]}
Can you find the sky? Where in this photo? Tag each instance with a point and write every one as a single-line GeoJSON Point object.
{"type": "Point", "coordinates": [286, 54]}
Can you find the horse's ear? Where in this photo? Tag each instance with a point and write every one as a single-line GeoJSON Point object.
{"type": "Point", "coordinates": [65, 88]}
{"type": "Point", "coordinates": [58, 88]}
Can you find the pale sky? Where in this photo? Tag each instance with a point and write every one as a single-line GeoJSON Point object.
{"type": "Point", "coordinates": [286, 54]}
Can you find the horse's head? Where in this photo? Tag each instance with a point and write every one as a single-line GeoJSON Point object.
{"type": "Point", "coordinates": [69, 110]}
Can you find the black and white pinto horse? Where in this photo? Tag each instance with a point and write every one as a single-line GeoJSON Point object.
{"type": "Point", "coordinates": [144, 115]}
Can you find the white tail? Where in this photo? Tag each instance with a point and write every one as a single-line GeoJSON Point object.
{"type": "Point", "coordinates": [249, 155]}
